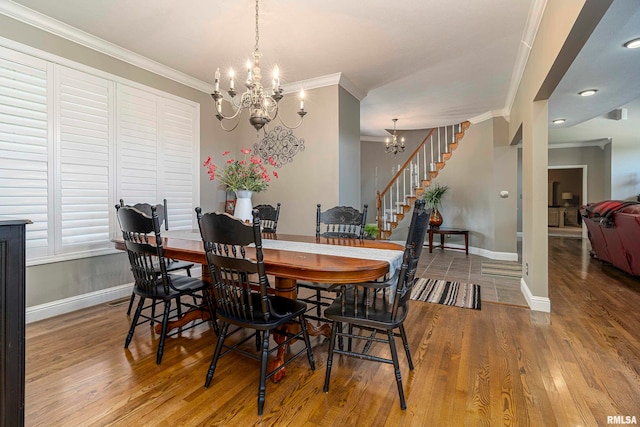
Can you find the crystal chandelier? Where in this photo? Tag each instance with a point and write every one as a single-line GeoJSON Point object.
{"type": "Point", "coordinates": [394, 146]}
{"type": "Point", "coordinates": [262, 106]}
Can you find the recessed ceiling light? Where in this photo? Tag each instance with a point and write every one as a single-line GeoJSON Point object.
{"type": "Point", "coordinates": [558, 121]}
{"type": "Point", "coordinates": [632, 44]}
{"type": "Point", "coordinates": [588, 92]}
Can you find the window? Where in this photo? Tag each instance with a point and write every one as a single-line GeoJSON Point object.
{"type": "Point", "coordinates": [72, 143]}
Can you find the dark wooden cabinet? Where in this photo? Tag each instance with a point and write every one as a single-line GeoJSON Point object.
{"type": "Point", "coordinates": [12, 321]}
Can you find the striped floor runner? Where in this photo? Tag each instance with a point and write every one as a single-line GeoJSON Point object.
{"type": "Point", "coordinates": [501, 269]}
{"type": "Point", "coordinates": [456, 294]}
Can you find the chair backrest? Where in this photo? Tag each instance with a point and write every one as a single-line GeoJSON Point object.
{"type": "Point", "coordinates": [234, 266]}
{"type": "Point", "coordinates": [161, 209]}
{"type": "Point", "coordinates": [268, 217]}
{"type": "Point", "coordinates": [141, 234]}
{"type": "Point", "coordinates": [412, 251]}
{"type": "Point", "coordinates": [341, 222]}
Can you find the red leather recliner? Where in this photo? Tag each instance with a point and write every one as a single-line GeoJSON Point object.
{"type": "Point", "coordinates": [614, 233]}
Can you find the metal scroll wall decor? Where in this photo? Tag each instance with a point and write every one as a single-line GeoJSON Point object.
{"type": "Point", "coordinates": [280, 144]}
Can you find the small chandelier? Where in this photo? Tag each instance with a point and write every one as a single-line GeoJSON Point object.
{"type": "Point", "coordinates": [394, 146]}
{"type": "Point", "coordinates": [262, 106]}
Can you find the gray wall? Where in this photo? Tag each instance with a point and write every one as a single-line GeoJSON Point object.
{"type": "Point", "coordinates": [349, 150]}
{"type": "Point", "coordinates": [597, 162]}
{"type": "Point", "coordinates": [482, 166]}
{"type": "Point", "coordinates": [312, 177]}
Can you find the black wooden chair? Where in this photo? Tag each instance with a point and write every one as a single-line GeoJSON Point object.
{"type": "Point", "coordinates": [365, 310]}
{"type": "Point", "coordinates": [172, 265]}
{"type": "Point", "coordinates": [268, 217]}
{"type": "Point", "coordinates": [142, 238]}
{"type": "Point", "coordinates": [340, 222]}
{"type": "Point", "coordinates": [240, 291]}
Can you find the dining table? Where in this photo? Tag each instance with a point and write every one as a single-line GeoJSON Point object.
{"type": "Point", "coordinates": [289, 258]}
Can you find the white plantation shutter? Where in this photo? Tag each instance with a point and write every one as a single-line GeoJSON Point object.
{"type": "Point", "coordinates": [137, 137]}
{"type": "Point", "coordinates": [72, 143]}
{"type": "Point", "coordinates": [84, 141]}
{"type": "Point", "coordinates": [24, 148]}
{"type": "Point", "coordinates": [178, 142]}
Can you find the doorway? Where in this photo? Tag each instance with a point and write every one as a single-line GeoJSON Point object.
{"type": "Point", "coordinates": [567, 193]}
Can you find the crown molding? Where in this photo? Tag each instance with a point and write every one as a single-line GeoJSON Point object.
{"type": "Point", "coordinates": [325, 81]}
{"type": "Point", "coordinates": [536, 11]}
{"type": "Point", "coordinates": [60, 29]}
{"type": "Point", "coordinates": [487, 116]}
{"type": "Point", "coordinates": [602, 142]}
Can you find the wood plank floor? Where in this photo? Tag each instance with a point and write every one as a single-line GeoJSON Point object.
{"type": "Point", "coordinates": [503, 365]}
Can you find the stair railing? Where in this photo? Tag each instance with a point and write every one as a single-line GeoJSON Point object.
{"type": "Point", "coordinates": [412, 177]}
{"type": "Point", "coordinates": [390, 201]}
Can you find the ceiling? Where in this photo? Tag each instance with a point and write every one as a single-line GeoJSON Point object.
{"type": "Point", "coordinates": [602, 64]}
{"type": "Point", "coordinates": [426, 62]}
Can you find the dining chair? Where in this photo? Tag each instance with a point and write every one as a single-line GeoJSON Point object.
{"type": "Point", "coordinates": [234, 255]}
{"type": "Point", "coordinates": [268, 217]}
{"type": "Point", "coordinates": [367, 312]}
{"type": "Point", "coordinates": [172, 265]}
{"type": "Point", "coordinates": [339, 222]}
{"type": "Point", "coordinates": [142, 238]}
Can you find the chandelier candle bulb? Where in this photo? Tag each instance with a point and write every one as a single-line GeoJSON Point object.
{"type": "Point", "coordinates": [231, 83]}
{"type": "Point", "coordinates": [302, 99]}
{"type": "Point", "coordinates": [276, 79]}
{"type": "Point", "coordinates": [217, 77]}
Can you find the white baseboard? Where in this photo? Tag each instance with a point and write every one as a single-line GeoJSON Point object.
{"type": "Point", "coordinates": [501, 256]}
{"type": "Point", "coordinates": [67, 305]}
{"type": "Point", "coordinates": [78, 302]}
{"type": "Point", "coordinates": [535, 303]}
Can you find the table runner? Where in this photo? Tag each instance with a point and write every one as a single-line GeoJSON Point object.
{"type": "Point", "coordinates": [393, 257]}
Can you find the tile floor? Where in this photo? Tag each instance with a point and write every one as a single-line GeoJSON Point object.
{"type": "Point", "coordinates": [456, 266]}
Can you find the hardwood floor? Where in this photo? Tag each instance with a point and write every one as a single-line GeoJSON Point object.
{"type": "Point", "coordinates": [503, 365]}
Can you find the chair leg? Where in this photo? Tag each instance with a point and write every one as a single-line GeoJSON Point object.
{"type": "Point", "coordinates": [179, 307]}
{"type": "Point", "coordinates": [332, 343]}
{"type": "Point", "coordinates": [212, 311]}
{"type": "Point", "coordinates": [153, 313]}
{"type": "Point", "coordinates": [133, 297]}
{"type": "Point", "coordinates": [405, 342]}
{"type": "Point", "coordinates": [262, 389]}
{"type": "Point", "coordinates": [396, 367]}
{"type": "Point", "coordinates": [319, 300]}
{"type": "Point", "coordinates": [216, 354]}
{"type": "Point", "coordinates": [307, 341]}
{"type": "Point", "coordinates": [163, 334]}
{"type": "Point", "coordinates": [134, 323]}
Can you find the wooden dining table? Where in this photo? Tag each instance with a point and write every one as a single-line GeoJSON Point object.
{"type": "Point", "coordinates": [287, 266]}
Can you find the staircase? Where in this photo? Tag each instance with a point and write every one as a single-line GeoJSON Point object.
{"type": "Point", "coordinates": [415, 175]}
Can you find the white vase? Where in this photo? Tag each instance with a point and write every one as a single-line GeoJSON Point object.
{"type": "Point", "coordinates": [244, 207]}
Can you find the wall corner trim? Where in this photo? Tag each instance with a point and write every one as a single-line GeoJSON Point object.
{"type": "Point", "coordinates": [535, 303]}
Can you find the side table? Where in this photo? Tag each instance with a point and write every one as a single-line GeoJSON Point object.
{"type": "Point", "coordinates": [442, 231]}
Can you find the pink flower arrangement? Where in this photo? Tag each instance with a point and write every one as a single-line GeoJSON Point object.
{"type": "Point", "coordinates": [251, 174]}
